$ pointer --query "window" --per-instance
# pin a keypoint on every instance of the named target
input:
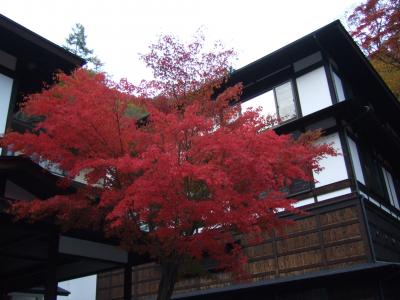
(391, 187)
(266, 101)
(334, 167)
(299, 186)
(277, 102)
(313, 90)
(370, 173)
(355, 158)
(285, 101)
(373, 174)
(5, 95)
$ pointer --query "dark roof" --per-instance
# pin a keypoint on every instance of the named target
(38, 59)
(41, 290)
(10, 28)
(32, 177)
(354, 67)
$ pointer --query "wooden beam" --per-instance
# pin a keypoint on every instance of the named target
(128, 279)
(51, 280)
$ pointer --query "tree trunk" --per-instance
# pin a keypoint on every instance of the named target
(169, 273)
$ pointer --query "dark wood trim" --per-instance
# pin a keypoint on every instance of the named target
(25, 257)
(310, 68)
(365, 231)
(7, 72)
(347, 259)
(275, 253)
(11, 105)
(128, 279)
(348, 160)
(314, 192)
(51, 273)
(321, 240)
(296, 96)
(331, 84)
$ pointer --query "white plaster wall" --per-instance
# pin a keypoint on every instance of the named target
(338, 87)
(334, 167)
(356, 160)
(313, 91)
(83, 288)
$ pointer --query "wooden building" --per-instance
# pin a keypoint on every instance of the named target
(347, 246)
(35, 257)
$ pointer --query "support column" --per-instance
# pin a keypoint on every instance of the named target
(51, 279)
(128, 279)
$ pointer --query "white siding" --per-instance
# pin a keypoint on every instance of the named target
(355, 158)
(390, 188)
(81, 288)
(304, 202)
(5, 95)
(334, 194)
(334, 167)
(313, 91)
(338, 87)
(266, 101)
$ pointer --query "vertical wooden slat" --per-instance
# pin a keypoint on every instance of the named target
(321, 240)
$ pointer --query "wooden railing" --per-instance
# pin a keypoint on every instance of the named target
(330, 236)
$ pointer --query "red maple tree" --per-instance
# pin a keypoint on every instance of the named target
(172, 168)
(375, 24)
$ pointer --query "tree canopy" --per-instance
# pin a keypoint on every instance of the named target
(375, 25)
(173, 168)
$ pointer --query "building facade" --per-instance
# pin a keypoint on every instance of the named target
(35, 257)
(347, 245)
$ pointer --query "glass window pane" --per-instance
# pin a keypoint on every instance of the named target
(266, 101)
(5, 95)
(285, 101)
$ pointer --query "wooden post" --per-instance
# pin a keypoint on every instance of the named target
(128, 279)
(50, 292)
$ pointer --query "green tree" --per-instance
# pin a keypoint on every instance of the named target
(76, 43)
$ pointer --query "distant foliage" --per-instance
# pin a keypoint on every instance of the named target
(76, 43)
(390, 74)
(173, 169)
(375, 25)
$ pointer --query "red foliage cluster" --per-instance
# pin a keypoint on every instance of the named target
(186, 179)
(376, 27)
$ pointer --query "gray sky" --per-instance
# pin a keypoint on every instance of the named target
(118, 30)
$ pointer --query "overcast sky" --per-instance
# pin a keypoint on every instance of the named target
(118, 30)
